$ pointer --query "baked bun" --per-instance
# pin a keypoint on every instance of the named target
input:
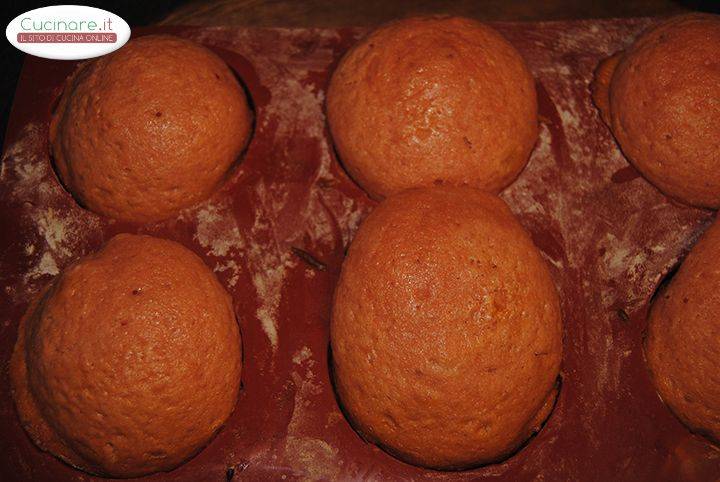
(130, 362)
(682, 347)
(660, 98)
(150, 129)
(446, 332)
(435, 100)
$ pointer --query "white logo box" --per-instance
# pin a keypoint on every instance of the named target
(68, 32)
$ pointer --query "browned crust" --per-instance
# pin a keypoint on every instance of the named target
(142, 350)
(433, 100)
(660, 100)
(150, 129)
(600, 86)
(446, 332)
(682, 347)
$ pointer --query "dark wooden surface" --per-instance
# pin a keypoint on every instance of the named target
(342, 13)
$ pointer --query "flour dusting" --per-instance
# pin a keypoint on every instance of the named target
(54, 229)
(294, 111)
(46, 266)
(316, 456)
(302, 355)
(58, 233)
(217, 230)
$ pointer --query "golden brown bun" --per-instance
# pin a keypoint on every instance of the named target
(131, 360)
(446, 334)
(683, 346)
(664, 109)
(426, 101)
(150, 129)
(600, 86)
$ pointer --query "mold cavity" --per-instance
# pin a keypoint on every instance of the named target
(253, 123)
(664, 283)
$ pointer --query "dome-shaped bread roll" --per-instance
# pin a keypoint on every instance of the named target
(438, 100)
(682, 346)
(446, 332)
(130, 362)
(150, 129)
(660, 99)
